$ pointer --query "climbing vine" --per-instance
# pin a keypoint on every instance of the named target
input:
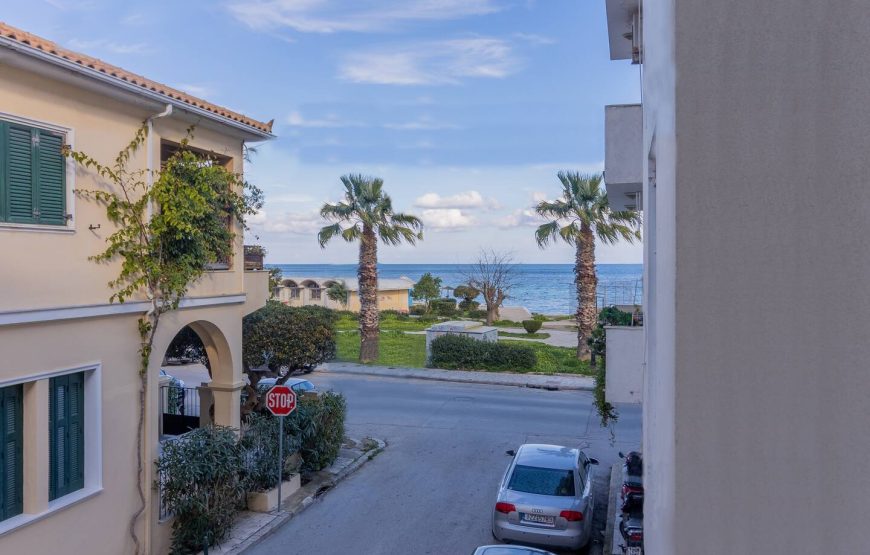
(171, 224)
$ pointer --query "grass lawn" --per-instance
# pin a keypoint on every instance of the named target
(524, 335)
(389, 322)
(402, 349)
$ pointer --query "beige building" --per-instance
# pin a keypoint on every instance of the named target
(393, 294)
(68, 358)
(750, 159)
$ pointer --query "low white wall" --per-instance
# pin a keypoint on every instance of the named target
(624, 383)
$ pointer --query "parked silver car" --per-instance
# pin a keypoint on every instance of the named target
(545, 498)
(298, 385)
(509, 550)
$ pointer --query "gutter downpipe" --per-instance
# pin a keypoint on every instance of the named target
(149, 152)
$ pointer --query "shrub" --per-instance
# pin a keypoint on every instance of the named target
(612, 316)
(469, 305)
(201, 485)
(460, 352)
(477, 314)
(260, 452)
(395, 314)
(443, 307)
(531, 326)
(539, 317)
(417, 309)
(318, 427)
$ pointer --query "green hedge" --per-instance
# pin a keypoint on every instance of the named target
(460, 352)
(443, 307)
(531, 326)
(317, 425)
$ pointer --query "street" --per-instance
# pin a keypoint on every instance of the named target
(432, 490)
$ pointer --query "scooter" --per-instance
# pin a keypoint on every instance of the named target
(631, 507)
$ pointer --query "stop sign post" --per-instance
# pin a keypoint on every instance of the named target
(281, 401)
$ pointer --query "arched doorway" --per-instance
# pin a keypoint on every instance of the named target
(184, 370)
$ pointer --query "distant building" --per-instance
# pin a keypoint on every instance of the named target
(393, 294)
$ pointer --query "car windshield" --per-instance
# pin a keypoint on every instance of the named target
(542, 481)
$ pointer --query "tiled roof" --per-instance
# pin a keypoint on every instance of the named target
(28, 39)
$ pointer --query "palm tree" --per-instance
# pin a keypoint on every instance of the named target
(582, 214)
(366, 215)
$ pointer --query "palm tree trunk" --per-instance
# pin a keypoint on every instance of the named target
(586, 281)
(367, 272)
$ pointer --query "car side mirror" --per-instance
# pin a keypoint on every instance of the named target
(511, 452)
(593, 461)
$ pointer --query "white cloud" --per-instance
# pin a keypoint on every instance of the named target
(538, 40)
(423, 123)
(446, 219)
(296, 119)
(299, 223)
(109, 46)
(432, 63)
(539, 196)
(362, 16)
(463, 200)
(201, 91)
(523, 217)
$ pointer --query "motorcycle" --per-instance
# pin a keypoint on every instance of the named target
(631, 506)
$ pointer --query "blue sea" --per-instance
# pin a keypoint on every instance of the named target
(544, 288)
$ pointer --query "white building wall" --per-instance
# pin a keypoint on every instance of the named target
(756, 411)
(624, 376)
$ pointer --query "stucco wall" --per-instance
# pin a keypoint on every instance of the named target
(624, 382)
(58, 272)
(766, 190)
(387, 300)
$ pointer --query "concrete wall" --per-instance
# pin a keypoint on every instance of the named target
(623, 159)
(756, 411)
(624, 383)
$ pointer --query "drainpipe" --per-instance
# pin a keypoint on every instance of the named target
(149, 178)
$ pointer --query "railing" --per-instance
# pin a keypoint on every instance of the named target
(254, 255)
(179, 409)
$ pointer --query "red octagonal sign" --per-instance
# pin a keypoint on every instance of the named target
(281, 400)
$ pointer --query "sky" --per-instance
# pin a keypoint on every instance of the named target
(466, 108)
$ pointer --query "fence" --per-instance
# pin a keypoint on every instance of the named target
(179, 409)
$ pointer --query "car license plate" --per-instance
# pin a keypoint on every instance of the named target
(635, 550)
(542, 520)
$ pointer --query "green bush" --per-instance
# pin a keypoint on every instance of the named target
(477, 314)
(288, 338)
(260, 452)
(531, 326)
(460, 352)
(394, 314)
(612, 316)
(317, 426)
(443, 307)
(469, 305)
(201, 485)
(417, 309)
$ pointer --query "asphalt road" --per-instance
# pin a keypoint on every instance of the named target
(432, 490)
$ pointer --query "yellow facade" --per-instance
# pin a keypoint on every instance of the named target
(55, 317)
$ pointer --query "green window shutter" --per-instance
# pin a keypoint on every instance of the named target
(66, 435)
(20, 186)
(11, 467)
(50, 179)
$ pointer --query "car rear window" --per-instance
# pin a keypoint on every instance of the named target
(542, 481)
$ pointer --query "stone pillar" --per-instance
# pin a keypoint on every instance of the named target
(227, 403)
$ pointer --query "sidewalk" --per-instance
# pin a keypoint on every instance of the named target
(538, 381)
(250, 527)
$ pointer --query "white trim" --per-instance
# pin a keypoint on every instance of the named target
(14, 317)
(19, 521)
(93, 428)
(68, 138)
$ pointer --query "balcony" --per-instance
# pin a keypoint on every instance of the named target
(254, 255)
(623, 156)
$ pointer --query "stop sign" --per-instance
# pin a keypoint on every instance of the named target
(281, 400)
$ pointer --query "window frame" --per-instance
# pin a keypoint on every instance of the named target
(68, 135)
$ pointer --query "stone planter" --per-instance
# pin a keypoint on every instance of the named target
(267, 501)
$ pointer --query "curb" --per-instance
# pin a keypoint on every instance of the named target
(459, 379)
(283, 517)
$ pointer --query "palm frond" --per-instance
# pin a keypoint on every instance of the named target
(545, 232)
(327, 233)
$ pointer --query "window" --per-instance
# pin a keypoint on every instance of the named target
(32, 175)
(11, 479)
(66, 435)
(542, 481)
(315, 293)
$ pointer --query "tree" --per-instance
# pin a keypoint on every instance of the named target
(278, 340)
(275, 275)
(366, 215)
(493, 275)
(582, 214)
(337, 291)
(428, 288)
(164, 251)
(467, 293)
